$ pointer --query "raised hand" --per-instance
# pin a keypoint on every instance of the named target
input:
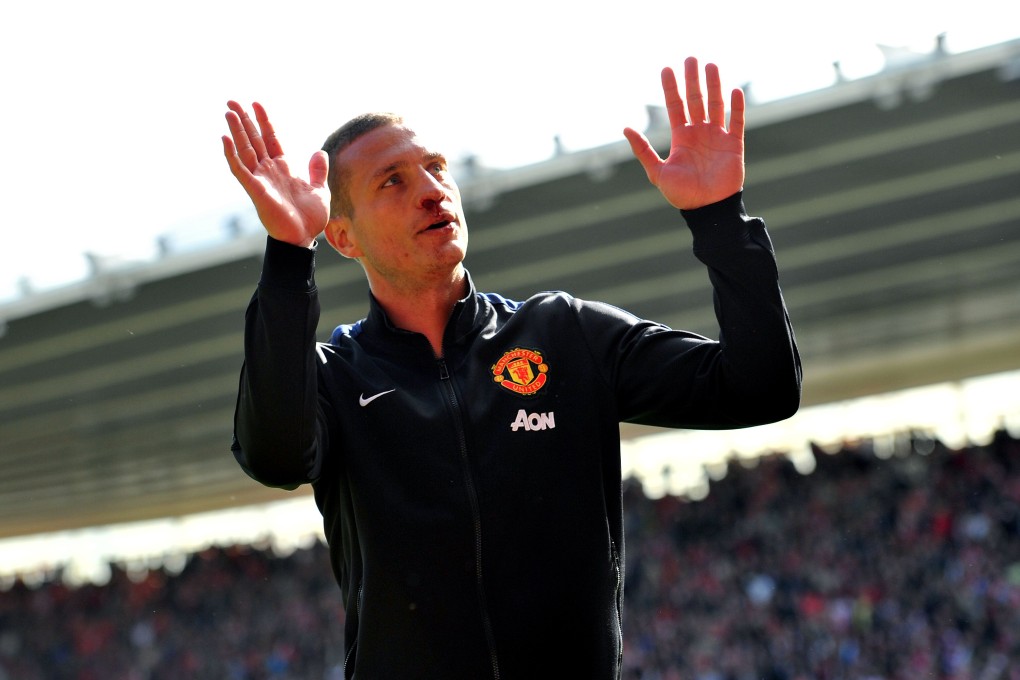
(706, 160)
(290, 208)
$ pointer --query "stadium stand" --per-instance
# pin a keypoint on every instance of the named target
(892, 201)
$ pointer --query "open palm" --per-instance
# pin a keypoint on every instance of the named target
(706, 160)
(290, 208)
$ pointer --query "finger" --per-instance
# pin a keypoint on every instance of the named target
(228, 149)
(241, 144)
(272, 144)
(695, 103)
(716, 106)
(237, 167)
(644, 153)
(737, 113)
(674, 102)
(254, 138)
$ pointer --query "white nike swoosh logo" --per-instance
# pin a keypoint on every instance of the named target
(365, 401)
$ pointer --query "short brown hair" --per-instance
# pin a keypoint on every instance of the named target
(340, 199)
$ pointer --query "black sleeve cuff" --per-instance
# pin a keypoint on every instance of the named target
(288, 266)
(722, 223)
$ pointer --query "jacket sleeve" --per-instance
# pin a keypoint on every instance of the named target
(276, 430)
(750, 375)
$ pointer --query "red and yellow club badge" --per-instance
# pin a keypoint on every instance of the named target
(522, 371)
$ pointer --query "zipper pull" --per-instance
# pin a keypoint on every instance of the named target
(444, 374)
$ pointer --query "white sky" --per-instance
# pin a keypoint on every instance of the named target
(112, 110)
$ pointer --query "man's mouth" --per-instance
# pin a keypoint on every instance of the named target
(443, 219)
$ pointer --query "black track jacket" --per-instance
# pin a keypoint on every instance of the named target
(472, 503)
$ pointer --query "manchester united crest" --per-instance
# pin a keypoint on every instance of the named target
(522, 371)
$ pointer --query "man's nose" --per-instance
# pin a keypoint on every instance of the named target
(432, 192)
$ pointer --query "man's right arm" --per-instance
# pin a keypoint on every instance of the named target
(276, 438)
(275, 421)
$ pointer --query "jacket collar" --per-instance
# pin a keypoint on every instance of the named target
(469, 315)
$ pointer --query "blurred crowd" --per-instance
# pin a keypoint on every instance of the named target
(899, 566)
(893, 564)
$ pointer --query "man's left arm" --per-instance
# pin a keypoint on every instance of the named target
(757, 347)
(752, 374)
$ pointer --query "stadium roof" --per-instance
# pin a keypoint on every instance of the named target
(892, 201)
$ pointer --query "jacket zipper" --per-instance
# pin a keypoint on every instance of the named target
(619, 608)
(350, 652)
(447, 383)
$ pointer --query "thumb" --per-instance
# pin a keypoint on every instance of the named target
(644, 153)
(318, 168)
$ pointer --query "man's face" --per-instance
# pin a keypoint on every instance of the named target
(407, 225)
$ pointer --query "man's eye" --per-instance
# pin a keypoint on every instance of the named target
(391, 180)
(438, 168)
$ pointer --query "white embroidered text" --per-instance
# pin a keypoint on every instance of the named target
(533, 421)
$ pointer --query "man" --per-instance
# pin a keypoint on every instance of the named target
(464, 448)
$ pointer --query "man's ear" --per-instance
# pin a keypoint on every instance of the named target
(338, 233)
